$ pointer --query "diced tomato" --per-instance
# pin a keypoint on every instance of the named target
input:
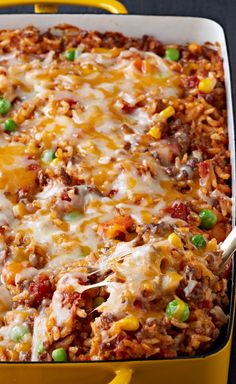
(71, 102)
(138, 63)
(40, 289)
(65, 196)
(114, 227)
(31, 157)
(128, 108)
(33, 167)
(203, 169)
(179, 211)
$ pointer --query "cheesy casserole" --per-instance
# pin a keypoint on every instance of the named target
(114, 196)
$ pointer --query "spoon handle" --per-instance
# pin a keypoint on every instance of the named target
(228, 246)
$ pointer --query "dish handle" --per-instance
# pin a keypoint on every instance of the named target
(123, 376)
(50, 6)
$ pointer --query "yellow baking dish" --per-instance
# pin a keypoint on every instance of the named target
(211, 367)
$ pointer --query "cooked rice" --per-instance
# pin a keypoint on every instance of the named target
(86, 264)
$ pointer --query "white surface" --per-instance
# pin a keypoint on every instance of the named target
(166, 28)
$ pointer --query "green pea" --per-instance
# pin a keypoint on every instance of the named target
(208, 219)
(71, 216)
(59, 355)
(18, 332)
(70, 54)
(178, 309)
(198, 241)
(5, 106)
(10, 125)
(48, 155)
(172, 54)
(40, 347)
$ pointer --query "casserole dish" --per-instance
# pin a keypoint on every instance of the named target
(216, 361)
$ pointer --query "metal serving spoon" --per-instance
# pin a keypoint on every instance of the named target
(228, 247)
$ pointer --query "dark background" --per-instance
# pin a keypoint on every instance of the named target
(222, 11)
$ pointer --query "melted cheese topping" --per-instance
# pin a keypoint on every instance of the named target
(92, 115)
(101, 86)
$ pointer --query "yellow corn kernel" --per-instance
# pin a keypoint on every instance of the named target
(171, 281)
(207, 85)
(194, 48)
(129, 323)
(167, 112)
(55, 161)
(155, 132)
(175, 240)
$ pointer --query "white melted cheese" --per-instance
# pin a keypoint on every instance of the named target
(42, 229)
(39, 335)
(135, 265)
(6, 211)
(127, 185)
(50, 190)
(85, 110)
(60, 313)
(26, 274)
